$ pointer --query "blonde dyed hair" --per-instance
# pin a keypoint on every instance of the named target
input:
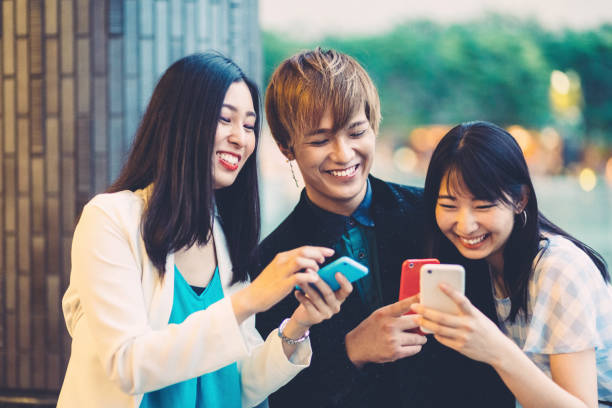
(306, 84)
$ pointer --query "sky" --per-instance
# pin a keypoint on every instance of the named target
(315, 18)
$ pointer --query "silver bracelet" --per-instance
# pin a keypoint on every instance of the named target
(287, 339)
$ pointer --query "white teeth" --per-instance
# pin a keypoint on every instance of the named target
(343, 173)
(474, 241)
(230, 158)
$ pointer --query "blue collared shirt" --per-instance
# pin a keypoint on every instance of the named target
(359, 242)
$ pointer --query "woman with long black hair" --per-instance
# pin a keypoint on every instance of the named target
(159, 307)
(551, 291)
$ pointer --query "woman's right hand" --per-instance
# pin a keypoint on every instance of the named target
(279, 279)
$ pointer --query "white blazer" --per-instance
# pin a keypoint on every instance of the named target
(117, 309)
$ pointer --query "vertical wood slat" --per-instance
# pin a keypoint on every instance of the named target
(99, 37)
(83, 76)
(8, 38)
(9, 116)
(36, 26)
(52, 76)
(21, 17)
(23, 156)
(82, 18)
(51, 17)
(66, 27)
(161, 38)
(36, 117)
(23, 70)
(10, 196)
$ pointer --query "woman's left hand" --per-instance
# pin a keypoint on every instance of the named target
(321, 303)
(315, 306)
(471, 333)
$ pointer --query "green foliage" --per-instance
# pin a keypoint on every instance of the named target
(495, 69)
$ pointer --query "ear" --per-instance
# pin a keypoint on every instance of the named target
(520, 206)
(286, 151)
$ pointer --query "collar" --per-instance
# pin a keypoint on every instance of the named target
(361, 215)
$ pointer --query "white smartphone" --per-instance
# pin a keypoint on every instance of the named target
(430, 294)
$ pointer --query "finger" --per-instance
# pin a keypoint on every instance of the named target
(437, 328)
(408, 351)
(441, 318)
(320, 302)
(403, 306)
(301, 263)
(412, 339)
(408, 322)
(316, 253)
(345, 287)
(303, 279)
(463, 302)
(304, 301)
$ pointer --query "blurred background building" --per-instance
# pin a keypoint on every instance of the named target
(75, 76)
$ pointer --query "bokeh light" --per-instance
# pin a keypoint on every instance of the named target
(405, 159)
(587, 179)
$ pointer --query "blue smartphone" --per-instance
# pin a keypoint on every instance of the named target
(351, 269)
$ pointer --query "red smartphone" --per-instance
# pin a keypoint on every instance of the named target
(410, 281)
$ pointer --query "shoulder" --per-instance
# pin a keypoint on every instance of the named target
(399, 193)
(563, 265)
(121, 208)
(397, 199)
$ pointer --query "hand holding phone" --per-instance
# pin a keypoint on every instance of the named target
(409, 281)
(350, 268)
(431, 296)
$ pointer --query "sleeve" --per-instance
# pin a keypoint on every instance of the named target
(107, 278)
(267, 369)
(563, 306)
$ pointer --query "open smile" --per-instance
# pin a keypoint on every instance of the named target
(229, 160)
(345, 173)
(473, 242)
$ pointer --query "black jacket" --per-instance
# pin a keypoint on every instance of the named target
(436, 377)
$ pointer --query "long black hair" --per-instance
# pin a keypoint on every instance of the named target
(173, 149)
(488, 161)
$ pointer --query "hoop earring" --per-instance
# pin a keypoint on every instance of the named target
(523, 215)
(293, 173)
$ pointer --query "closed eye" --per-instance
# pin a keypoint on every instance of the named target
(317, 142)
(359, 133)
(485, 207)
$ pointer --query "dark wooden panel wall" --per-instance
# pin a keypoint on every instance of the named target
(75, 76)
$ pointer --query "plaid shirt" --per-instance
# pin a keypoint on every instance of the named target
(570, 310)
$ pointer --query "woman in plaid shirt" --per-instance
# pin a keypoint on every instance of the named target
(552, 292)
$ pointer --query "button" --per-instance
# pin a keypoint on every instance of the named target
(351, 222)
(361, 255)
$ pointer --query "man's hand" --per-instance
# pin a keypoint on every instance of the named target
(384, 336)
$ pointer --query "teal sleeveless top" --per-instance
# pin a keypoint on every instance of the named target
(213, 390)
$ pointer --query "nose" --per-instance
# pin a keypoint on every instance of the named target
(237, 135)
(466, 222)
(342, 150)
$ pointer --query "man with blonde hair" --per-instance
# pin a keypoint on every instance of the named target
(324, 112)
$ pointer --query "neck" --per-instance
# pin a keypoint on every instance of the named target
(496, 266)
(342, 207)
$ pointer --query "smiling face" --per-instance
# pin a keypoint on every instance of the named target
(335, 166)
(478, 228)
(235, 136)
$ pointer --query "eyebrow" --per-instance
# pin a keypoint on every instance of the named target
(356, 124)
(234, 109)
(321, 131)
(448, 197)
